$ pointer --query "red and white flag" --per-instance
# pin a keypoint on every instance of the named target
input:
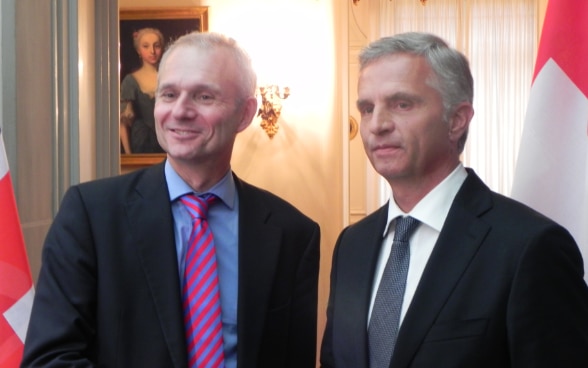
(552, 168)
(16, 284)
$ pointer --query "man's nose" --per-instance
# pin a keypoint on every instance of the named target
(382, 120)
(184, 107)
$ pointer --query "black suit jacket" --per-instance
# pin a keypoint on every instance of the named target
(108, 292)
(503, 288)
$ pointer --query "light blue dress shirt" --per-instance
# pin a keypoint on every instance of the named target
(223, 218)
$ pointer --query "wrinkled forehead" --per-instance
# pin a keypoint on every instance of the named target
(190, 64)
(406, 65)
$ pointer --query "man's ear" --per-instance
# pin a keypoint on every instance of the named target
(459, 121)
(249, 111)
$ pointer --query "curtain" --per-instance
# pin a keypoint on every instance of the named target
(500, 39)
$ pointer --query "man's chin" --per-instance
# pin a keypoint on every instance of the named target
(181, 154)
(388, 170)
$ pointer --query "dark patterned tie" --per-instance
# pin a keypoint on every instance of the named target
(201, 302)
(384, 321)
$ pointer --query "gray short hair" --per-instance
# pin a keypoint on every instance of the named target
(212, 40)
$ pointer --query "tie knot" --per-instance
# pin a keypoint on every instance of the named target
(197, 206)
(405, 226)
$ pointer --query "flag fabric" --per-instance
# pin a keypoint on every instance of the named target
(551, 174)
(16, 284)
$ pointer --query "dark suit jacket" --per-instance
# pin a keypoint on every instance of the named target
(108, 292)
(503, 288)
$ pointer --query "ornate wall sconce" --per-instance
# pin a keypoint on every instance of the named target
(271, 107)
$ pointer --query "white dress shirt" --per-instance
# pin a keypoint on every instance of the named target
(431, 211)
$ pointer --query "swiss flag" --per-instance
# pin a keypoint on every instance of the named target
(552, 168)
(16, 284)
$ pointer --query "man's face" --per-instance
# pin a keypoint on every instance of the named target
(402, 126)
(198, 108)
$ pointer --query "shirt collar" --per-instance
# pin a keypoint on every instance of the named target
(434, 207)
(225, 189)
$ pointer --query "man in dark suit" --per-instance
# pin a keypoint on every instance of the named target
(489, 282)
(110, 288)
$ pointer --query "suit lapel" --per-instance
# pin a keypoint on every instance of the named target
(458, 242)
(151, 226)
(259, 247)
(355, 260)
(371, 251)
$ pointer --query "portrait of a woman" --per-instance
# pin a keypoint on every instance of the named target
(137, 95)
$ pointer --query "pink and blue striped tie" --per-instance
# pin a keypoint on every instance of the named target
(201, 297)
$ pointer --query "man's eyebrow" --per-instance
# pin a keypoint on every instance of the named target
(164, 86)
(362, 102)
(403, 96)
(393, 97)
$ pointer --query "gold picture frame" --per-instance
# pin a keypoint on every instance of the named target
(172, 22)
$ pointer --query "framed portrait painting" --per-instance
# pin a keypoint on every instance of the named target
(170, 23)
